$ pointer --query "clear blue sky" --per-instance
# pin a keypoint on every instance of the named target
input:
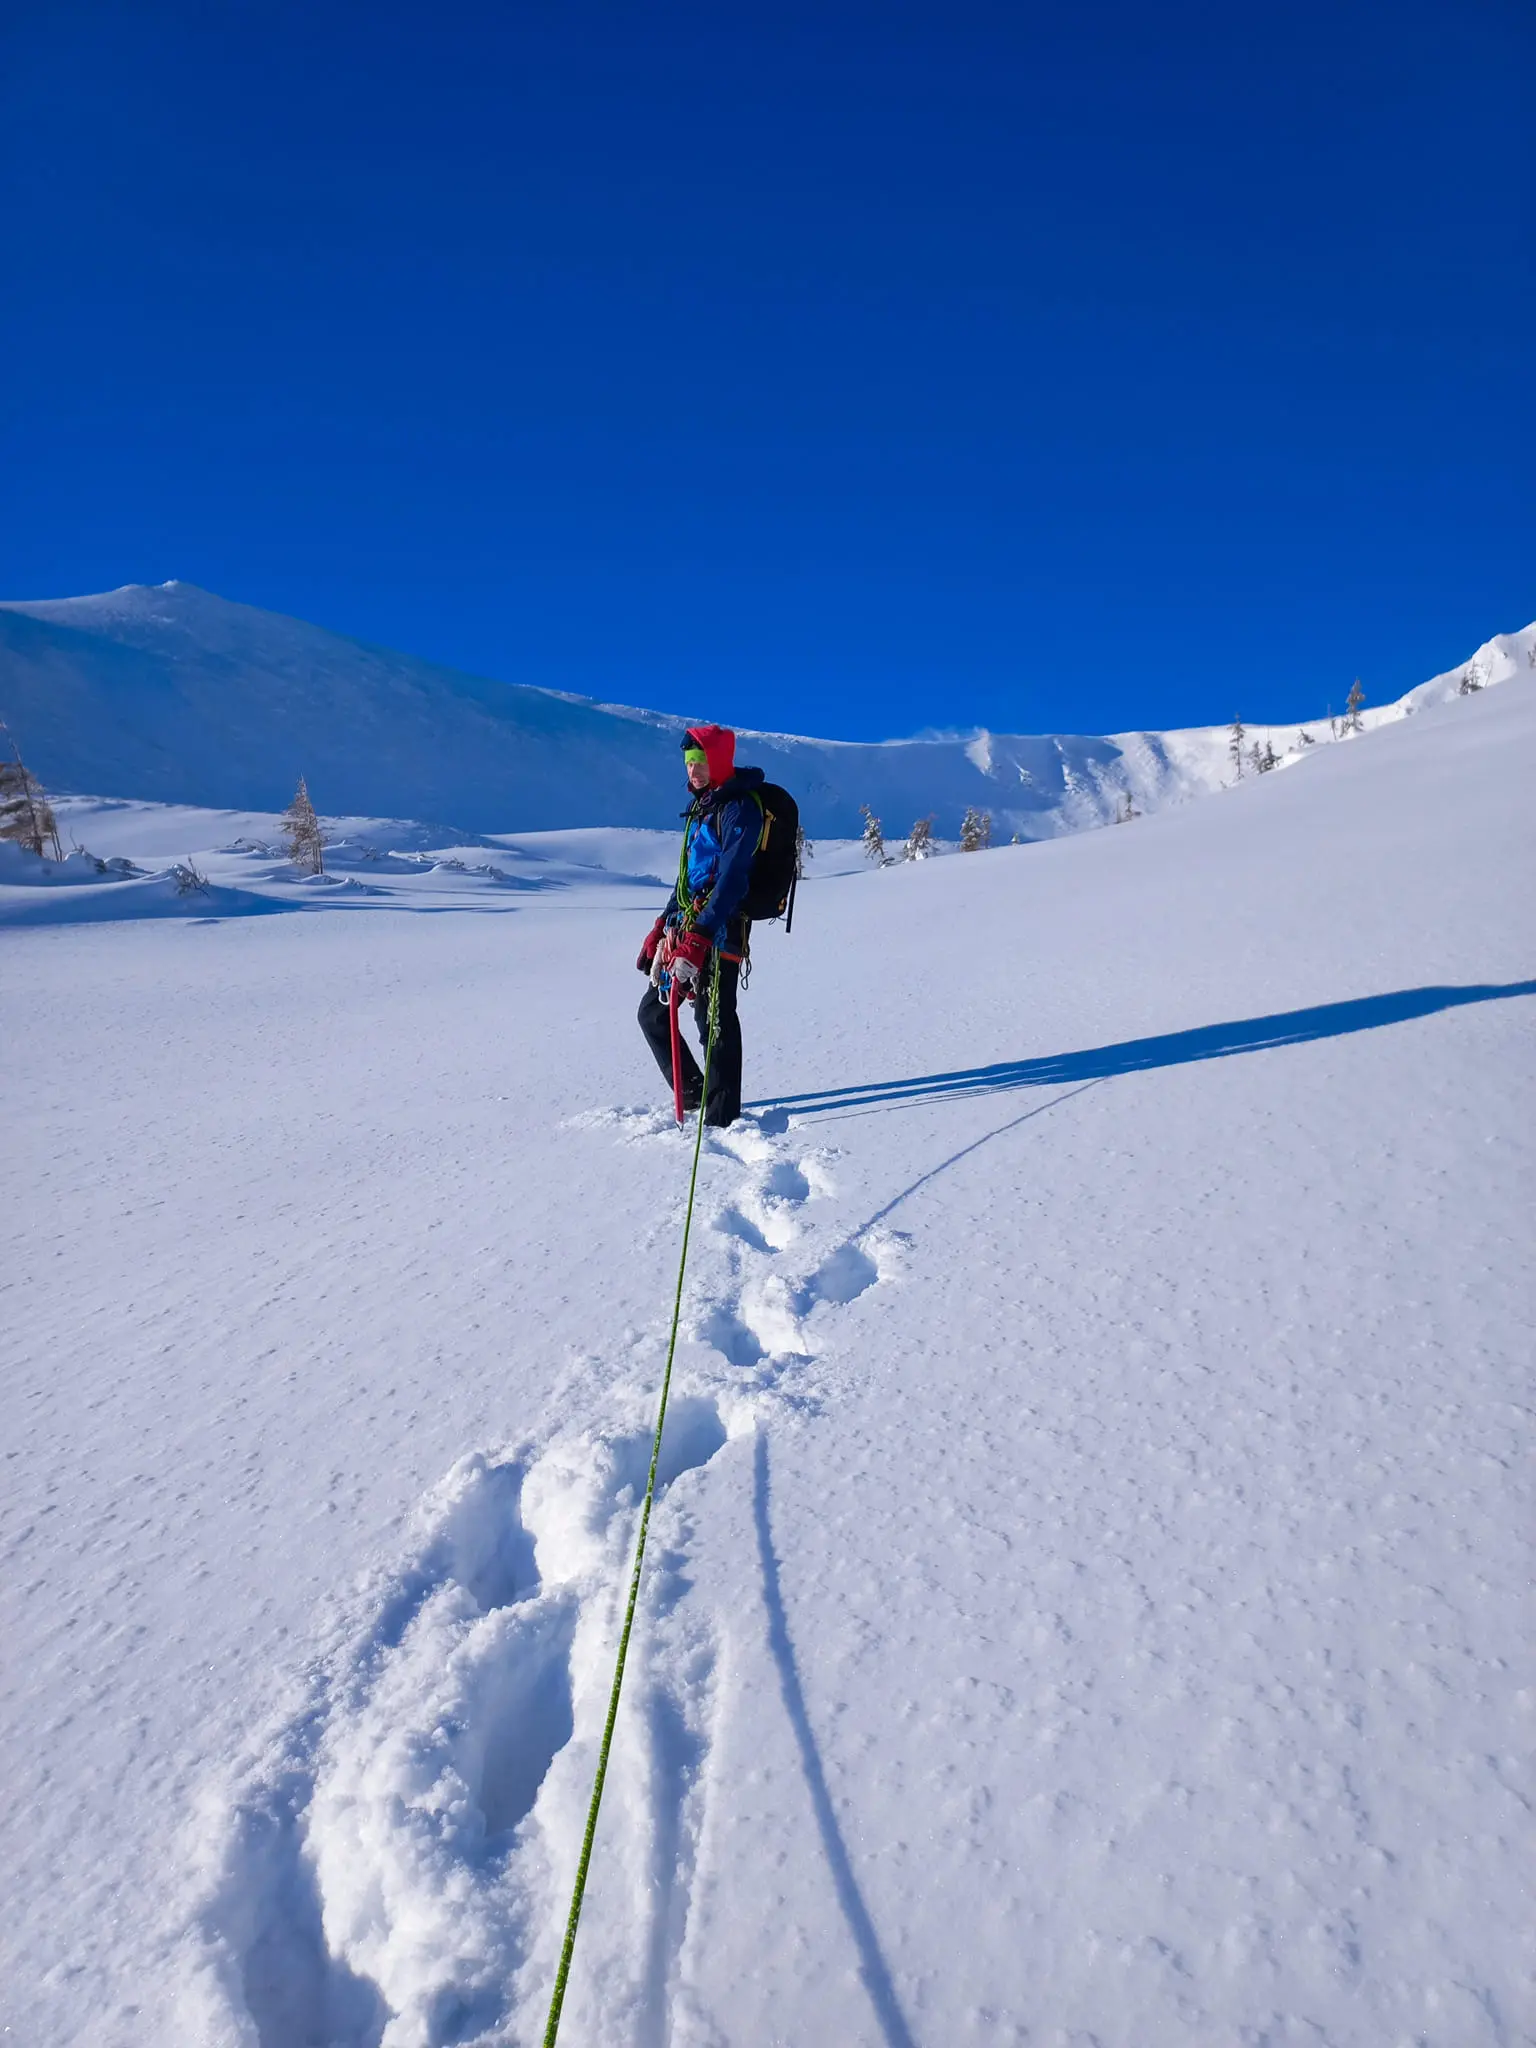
(842, 368)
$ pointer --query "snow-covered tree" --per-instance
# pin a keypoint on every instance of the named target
(26, 816)
(920, 840)
(1303, 738)
(1353, 704)
(1235, 746)
(1269, 758)
(1471, 680)
(302, 835)
(874, 838)
(975, 830)
(1125, 810)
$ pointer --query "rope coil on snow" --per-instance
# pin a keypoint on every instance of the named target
(568, 1947)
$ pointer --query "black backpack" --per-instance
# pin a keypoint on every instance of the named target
(776, 863)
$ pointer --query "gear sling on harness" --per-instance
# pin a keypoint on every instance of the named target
(568, 1946)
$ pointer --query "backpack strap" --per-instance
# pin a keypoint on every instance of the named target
(688, 906)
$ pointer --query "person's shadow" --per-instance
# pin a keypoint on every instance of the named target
(1134, 1055)
(874, 1971)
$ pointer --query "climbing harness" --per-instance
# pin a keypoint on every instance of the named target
(568, 1947)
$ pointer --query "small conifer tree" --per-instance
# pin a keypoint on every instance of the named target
(1471, 680)
(302, 835)
(1269, 758)
(189, 878)
(1125, 810)
(920, 840)
(26, 816)
(975, 830)
(1353, 704)
(1235, 746)
(1303, 738)
(874, 838)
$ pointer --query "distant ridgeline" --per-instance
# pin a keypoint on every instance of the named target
(173, 694)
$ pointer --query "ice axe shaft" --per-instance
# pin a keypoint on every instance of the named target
(674, 1008)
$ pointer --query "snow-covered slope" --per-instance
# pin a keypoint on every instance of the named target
(132, 859)
(173, 694)
(1089, 1597)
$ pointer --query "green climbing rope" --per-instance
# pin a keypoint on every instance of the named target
(568, 1947)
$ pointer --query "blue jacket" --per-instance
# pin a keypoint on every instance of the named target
(719, 840)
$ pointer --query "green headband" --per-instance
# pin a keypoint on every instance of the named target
(692, 754)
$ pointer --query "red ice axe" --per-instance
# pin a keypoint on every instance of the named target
(674, 1005)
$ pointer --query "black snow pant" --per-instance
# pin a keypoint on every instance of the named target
(724, 1104)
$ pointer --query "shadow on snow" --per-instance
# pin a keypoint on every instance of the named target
(873, 1969)
(1135, 1055)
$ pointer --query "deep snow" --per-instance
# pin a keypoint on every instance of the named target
(173, 694)
(1089, 1599)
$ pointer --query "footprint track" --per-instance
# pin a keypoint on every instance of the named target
(845, 1274)
(764, 1215)
(389, 1869)
(757, 1318)
(786, 1182)
(738, 1343)
(732, 1223)
(367, 1887)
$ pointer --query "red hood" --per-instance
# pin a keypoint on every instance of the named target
(719, 744)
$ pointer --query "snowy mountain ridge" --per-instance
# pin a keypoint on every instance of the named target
(170, 693)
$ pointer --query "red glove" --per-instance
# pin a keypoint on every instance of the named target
(688, 958)
(652, 941)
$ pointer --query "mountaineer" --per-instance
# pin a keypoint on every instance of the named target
(738, 862)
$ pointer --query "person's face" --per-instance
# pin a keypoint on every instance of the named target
(698, 775)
